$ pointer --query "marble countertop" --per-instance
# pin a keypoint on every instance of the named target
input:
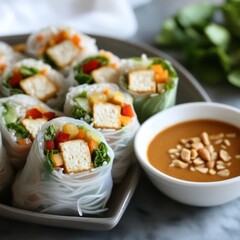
(150, 214)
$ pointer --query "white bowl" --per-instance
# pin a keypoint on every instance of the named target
(188, 192)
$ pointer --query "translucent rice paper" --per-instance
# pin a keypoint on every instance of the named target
(114, 61)
(147, 105)
(87, 44)
(37, 189)
(8, 57)
(18, 153)
(6, 172)
(53, 75)
(121, 141)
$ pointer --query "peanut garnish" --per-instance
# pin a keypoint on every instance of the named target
(224, 155)
(205, 138)
(202, 169)
(185, 155)
(224, 173)
(206, 154)
(179, 163)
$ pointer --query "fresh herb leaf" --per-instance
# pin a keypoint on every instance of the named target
(234, 78)
(206, 37)
(100, 155)
(15, 91)
(195, 15)
(49, 166)
(218, 35)
(19, 129)
(83, 78)
(47, 59)
(80, 113)
(28, 71)
(50, 133)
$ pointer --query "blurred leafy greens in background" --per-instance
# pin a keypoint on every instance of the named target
(208, 35)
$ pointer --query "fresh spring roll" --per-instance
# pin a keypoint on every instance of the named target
(68, 170)
(21, 117)
(109, 110)
(8, 57)
(100, 68)
(60, 46)
(6, 171)
(152, 82)
(37, 79)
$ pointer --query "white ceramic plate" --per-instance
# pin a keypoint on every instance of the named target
(189, 90)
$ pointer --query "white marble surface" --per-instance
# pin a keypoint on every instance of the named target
(150, 214)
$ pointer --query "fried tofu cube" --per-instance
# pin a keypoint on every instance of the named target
(76, 156)
(39, 86)
(105, 74)
(33, 125)
(142, 81)
(63, 53)
(106, 115)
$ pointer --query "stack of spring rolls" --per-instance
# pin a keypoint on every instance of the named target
(69, 112)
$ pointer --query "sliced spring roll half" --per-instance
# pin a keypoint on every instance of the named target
(8, 57)
(60, 46)
(109, 110)
(6, 171)
(152, 82)
(68, 170)
(100, 68)
(36, 79)
(21, 117)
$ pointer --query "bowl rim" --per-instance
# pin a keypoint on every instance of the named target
(145, 164)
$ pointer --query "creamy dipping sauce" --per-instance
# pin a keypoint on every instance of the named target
(221, 155)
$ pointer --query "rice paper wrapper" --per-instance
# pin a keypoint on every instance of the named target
(54, 76)
(87, 44)
(8, 58)
(6, 171)
(17, 153)
(55, 192)
(121, 141)
(147, 105)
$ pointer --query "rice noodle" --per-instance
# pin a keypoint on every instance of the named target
(55, 192)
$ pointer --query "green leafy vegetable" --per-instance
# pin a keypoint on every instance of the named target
(82, 78)
(100, 155)
(146, 107)
(208, 37)
(49, 162)
(9, 114)
(28, 71)
(50, 133)
(47, 59)
(80, 113)
(20, 130)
